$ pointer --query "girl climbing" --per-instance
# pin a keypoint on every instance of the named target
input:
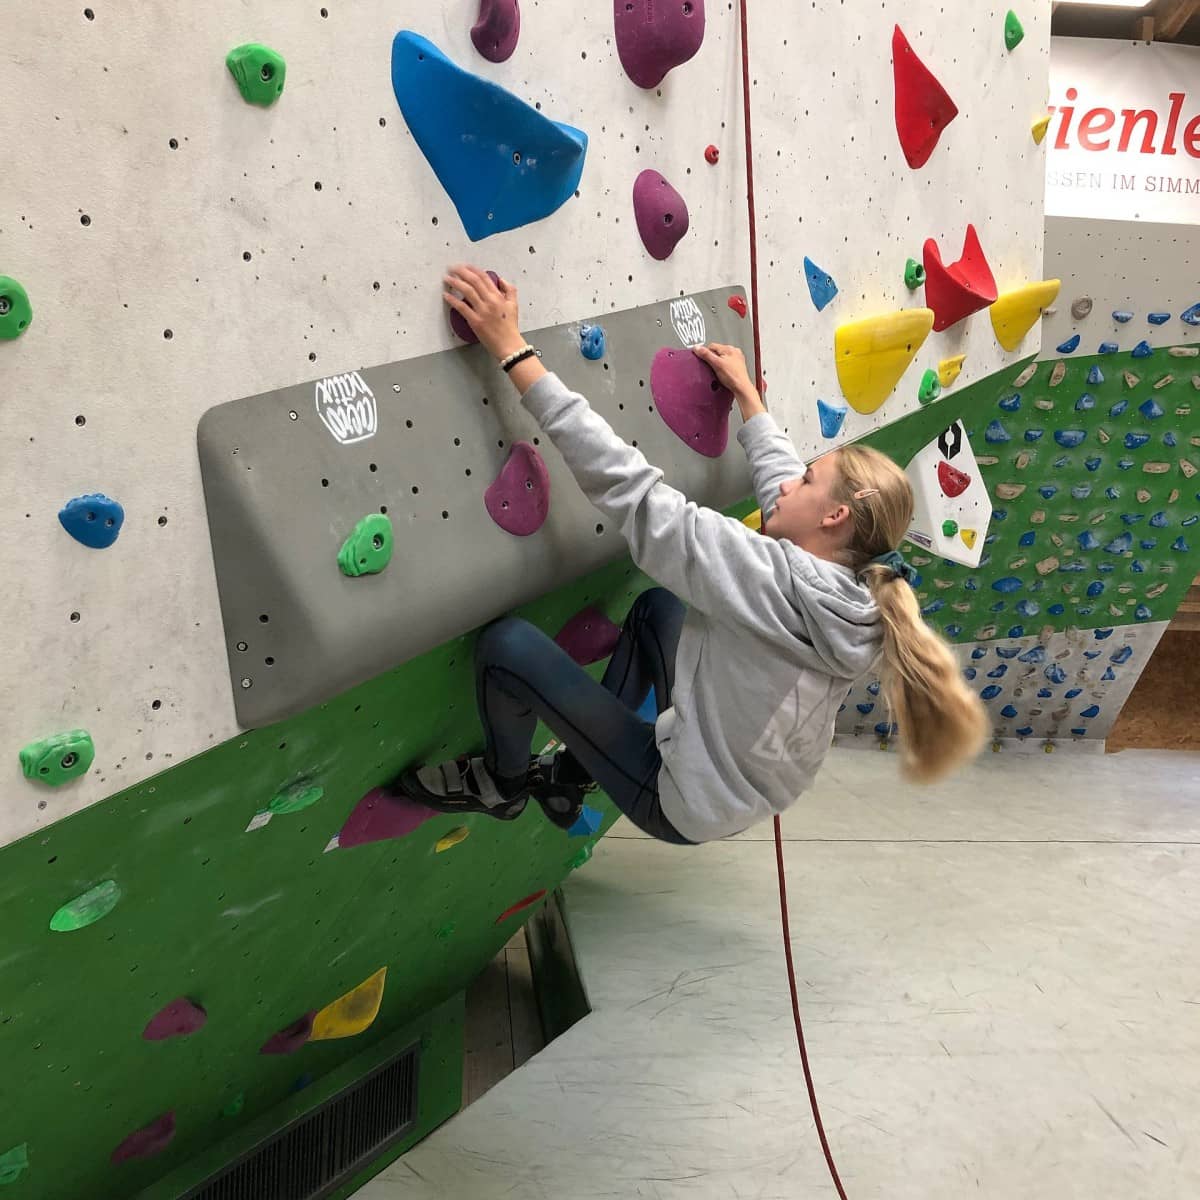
(751, 643)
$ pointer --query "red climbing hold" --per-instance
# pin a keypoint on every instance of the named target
(459, 323)
(588, 636)
(923, 107)
(691, 400)
(379, 816)
(712, 156)
(953, 481)
(738, 305)
(520, 906)
(495, 33)
(291, 1038)
(653, 38)
(660, 212)
(956, 290)
(149, 1140)
(178, 1019)
(519, 500)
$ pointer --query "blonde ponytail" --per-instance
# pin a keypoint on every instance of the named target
(942, 723)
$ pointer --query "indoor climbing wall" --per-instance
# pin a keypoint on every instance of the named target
(246, 209)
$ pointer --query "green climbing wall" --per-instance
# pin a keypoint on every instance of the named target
(256, 926)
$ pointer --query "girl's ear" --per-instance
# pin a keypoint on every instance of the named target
(839, 516)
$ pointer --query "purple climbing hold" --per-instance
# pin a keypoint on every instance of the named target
(588, 636)
(495, 33)
(653, 37)
(519, 500)
(459, 323)
(178, 1019)
(694, 405)
(149, 1140)
(379, 816)
(661, 214)
(289, 1039)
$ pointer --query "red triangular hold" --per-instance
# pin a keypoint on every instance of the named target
(956, 290)
(923, 107)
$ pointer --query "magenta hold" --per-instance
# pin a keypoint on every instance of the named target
(655, 35)
(519, 500)
(289, 1039)
(178, 1019)
(495, 33)
(661, 214)
(459, 323)
(149, 1140)
(693, 403)
(379, 816)
(588, 636)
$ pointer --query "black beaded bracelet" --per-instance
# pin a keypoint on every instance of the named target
(520, 356)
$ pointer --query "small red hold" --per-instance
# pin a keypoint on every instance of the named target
(588, 637)
(289, 1039)
(145, 1142)
(953, 481)
(738, 305)
(178, 1019)
(521, 905)
(712, 156)
(956, 290)
(923, 106)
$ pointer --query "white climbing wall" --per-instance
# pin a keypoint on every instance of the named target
(182, 249)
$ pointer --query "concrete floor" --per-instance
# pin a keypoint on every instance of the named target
(1000, 978)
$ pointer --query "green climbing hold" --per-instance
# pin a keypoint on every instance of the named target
(1014, 31)
(949, 528)
(13, 1162)
(235, 1106)
(369, 548)
(295, 798)
(581, 858)
(445, 933)
(259, 71)
(914, 275)
(931, 387)
(87, 909)
(59, 758)
(15, 310)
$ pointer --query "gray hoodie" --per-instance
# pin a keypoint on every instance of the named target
(773, 637)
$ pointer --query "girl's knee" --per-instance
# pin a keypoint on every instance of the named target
(505, 640)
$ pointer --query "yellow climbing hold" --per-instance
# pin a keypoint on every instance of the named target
(1015, 313)
(452, 839)
(949, 369)
(1040, 126)
(754, 520)
(352, 1013)
(968, 536)
(872, 354)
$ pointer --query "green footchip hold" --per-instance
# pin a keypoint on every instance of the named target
(59, 758)
(1014, 31)
(581, 858)
(85, 910)
(259, 71)
(931, 387)
(15, 310)
(13, 1162)
(369, 548)
(295, 798)
(949, 528)
(914, 275)
(235, 1106)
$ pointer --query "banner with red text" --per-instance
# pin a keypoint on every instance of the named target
(1124, 139)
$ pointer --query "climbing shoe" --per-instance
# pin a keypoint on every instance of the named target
(461, 785)
(558, 788)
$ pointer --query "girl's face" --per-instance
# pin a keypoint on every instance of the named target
(806, 509)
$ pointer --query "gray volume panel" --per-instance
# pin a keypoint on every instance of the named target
(289, 473)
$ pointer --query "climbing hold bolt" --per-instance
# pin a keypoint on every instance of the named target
(259, 72)
(15, 310)
(367, 550)
(59, 758)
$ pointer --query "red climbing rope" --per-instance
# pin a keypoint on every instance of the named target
(783, 904)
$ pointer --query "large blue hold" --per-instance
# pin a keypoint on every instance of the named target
(1010, 403)
(1191, 316)
(1135, 441)
(94, 520)
(832, 417)
(1122, 656)
(1085, 403)
(1158, 318)
(1109, 347)
(1141, 350)
(1122, 317)
(1068, 439)
(1070, 345)
(1150, 409)
(991, 692)
(995, 434)
(1009, 584)
(821, 287)
(1095, 375)
(1120, 544)
(501, 162)
(1055, 673)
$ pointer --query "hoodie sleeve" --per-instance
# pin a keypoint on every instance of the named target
(773, 458)
(710, 561)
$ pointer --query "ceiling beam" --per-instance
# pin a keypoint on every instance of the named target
(1172, 15)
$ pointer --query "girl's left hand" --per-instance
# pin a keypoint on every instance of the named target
(489, 305)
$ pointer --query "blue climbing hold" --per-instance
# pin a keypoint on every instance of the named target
(1072, 568)
(94, 520)
(1062, 462)
(1034, 655)
(1109, 348)
(1028, 608)
(1124, 464)
(1141, 350)
(979, 652)
(1081, 491)
(1085, 403)
(1159, 521)
(1169, 440)
(1108, 676)
(1056, 610)
(1025, 731)
(935, 606)
(1079, 732)
(1070, 345)
(998, 672)
(1095, 375)
(1180, 546)
(1048, 491)
(1072, 693)
(1122, 317)
(1085, 611)
(1027, 539)
(1093, 464)
(1009, 584)
(501, 162)
(1148, 543)
(952, 631)
(1122, 656)
(1088, 540)
(588, 822)
(1017, 631)
(998, 514)
(1135, 441)
(874, 687)
(1138, 567)
(1102, 635)
(1150, 409)
(592, 343)
(1121, 544)
(995, 434)
(1034, 435)
(1011, 403)
(1008, 711)
(821, 287)
(1142, 613)
(991, 692)
(971, 584)
(832, 416)
(1068, 439)
(1188, 522)
(1055, 673)
(865, 709)
(1095, 589)
(1007, 651)
(1091, 711)
(1112, 493)
(999, 606)
(1045, 694)
(1191, 316)
(969, 674)
(1119, 408)
(1090, 654)
(1158, 318)
(1105, 568)
(883, 729)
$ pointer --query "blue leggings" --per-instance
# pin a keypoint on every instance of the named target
(521, 676)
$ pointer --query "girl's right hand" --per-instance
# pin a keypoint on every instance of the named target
(728, 364)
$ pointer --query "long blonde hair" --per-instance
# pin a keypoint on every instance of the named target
(942, 723)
